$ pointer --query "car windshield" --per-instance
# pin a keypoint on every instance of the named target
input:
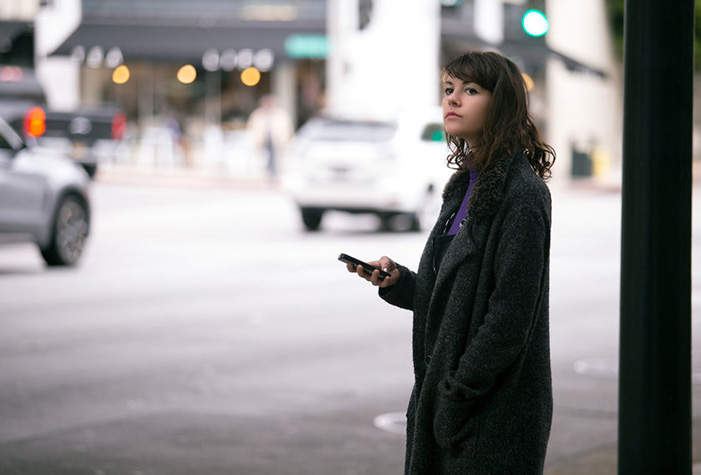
(4, 144)
(9, 140)
(348, 131)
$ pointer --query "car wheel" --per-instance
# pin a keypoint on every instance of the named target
(70, 232)
(424, 218)
(312, 218)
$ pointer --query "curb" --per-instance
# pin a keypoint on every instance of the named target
(178, 178)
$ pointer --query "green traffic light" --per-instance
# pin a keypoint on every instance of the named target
(535, 23)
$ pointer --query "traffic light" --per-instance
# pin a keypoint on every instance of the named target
(535, 23)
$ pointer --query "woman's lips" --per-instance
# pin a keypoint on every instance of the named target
(452, 115)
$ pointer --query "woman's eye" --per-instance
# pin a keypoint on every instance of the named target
(448, 91)
(471, 91)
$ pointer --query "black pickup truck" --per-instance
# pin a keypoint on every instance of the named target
(80, 133)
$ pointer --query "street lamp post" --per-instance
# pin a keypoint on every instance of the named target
(654, 430)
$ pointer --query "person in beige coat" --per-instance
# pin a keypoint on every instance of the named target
(270, 128)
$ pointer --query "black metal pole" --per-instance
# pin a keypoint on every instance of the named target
(654, 431)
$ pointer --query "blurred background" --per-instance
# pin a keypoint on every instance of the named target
(177, 179)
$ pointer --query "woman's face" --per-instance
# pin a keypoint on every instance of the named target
(465, 106)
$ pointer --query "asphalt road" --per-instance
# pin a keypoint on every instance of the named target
(207, 333)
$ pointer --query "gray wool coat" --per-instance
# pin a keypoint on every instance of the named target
(482, 398)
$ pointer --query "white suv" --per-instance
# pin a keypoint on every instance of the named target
(395, 169)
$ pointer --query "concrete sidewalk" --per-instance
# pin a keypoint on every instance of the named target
(590, 410)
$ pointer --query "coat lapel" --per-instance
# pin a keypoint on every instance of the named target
(486, 198)
(450, 205)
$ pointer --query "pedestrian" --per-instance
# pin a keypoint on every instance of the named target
(270, 128)
(482, 397)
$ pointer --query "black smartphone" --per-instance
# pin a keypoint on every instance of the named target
(366, 267)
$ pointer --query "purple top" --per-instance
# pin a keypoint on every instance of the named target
(462, 211)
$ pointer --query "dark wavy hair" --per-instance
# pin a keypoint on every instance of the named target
(508, 126)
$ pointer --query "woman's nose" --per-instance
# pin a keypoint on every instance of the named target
(453, 98)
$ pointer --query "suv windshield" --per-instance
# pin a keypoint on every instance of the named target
(348, 131)
(9, 140)
(4, 144)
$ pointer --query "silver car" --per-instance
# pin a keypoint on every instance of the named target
(43, 199)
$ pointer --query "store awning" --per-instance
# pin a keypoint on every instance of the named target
(542, 51)
(184, 42)
(575, 66)
(533, 50)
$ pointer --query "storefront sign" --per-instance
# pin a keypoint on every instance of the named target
(307, 46)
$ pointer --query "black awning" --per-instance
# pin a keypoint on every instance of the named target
(575, 66)
(185, 42)
(536, 50)
(531, 50)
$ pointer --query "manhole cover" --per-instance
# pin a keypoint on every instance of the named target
(597, 368)
(394, 422)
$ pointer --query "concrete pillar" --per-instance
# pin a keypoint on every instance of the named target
(584, 110)
(489, 21)
(284, 86)
(60, 77)
(390, 65)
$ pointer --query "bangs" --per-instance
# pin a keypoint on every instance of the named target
(472, 67)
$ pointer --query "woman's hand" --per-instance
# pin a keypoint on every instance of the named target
(386, 264)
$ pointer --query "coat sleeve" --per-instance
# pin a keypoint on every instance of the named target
(519, 270)
(401, 294)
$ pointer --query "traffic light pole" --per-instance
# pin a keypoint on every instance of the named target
(654, 433)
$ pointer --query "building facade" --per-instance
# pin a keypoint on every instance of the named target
(178, 59)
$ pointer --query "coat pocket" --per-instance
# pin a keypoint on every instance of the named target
(455, 425)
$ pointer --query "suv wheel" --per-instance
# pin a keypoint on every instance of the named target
(70, 231)
(312, 218)
(424, 217)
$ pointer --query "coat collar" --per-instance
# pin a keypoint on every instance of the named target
(487, 196)
(488, 192)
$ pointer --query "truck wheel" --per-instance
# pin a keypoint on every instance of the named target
(386, 222)
(312, 218)
(70, 231)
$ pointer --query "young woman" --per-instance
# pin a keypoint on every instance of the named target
(482, 398)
